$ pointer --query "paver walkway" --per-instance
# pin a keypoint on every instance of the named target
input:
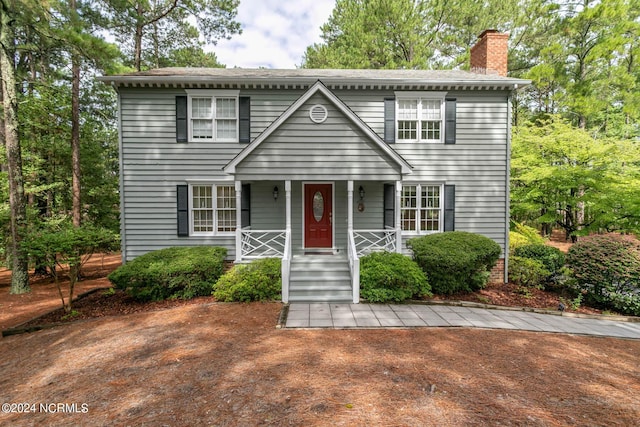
(330, 315)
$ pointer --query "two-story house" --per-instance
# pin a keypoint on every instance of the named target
(317, 167)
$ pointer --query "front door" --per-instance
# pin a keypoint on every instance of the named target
(318, 228)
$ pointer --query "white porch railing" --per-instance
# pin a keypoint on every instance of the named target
(354, 266)
(256, 244)
(286, 266)
(367, 241)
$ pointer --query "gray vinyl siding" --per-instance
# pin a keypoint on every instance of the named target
(336, 151)
(476, 164)
(153, 164)
(303, 150)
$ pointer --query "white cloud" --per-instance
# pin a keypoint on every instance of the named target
(275, 33)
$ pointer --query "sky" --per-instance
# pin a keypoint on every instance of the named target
(275, 33)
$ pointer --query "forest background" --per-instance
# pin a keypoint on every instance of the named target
(575, 135)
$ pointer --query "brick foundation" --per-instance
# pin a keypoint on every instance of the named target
(497, 272)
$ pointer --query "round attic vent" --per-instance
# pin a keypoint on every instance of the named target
(318, 113)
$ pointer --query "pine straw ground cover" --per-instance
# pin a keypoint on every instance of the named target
(207, 363)
(227, 365)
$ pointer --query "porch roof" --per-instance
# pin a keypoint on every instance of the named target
(319, 88)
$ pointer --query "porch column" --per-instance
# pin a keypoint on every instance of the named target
(287, 190)
(397, 213)
(350, 206)
(238, 221)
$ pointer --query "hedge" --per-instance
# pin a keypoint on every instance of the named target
(176, 272)
(455, 261)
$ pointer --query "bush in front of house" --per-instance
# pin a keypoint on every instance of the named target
(260, 280)
(552, 259)
(455, 261)
(527, 272)
(176, 272)
(606, 269)
(521, 235)
(391, 277)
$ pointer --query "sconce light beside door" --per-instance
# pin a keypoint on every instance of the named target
(275, 193)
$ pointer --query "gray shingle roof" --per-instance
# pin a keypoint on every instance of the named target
(309, 76)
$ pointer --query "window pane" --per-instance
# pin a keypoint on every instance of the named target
(225, 108)
(408, 219)
(431, 130)
(408, 109)
(226, 197)
(430, 196)
(225, 129)
(200, 108)
(226, 221)
(203, 220)
(431, 109)
(407, 130)
(408, 204)
(202, 197)
(202, 129)
(430, 220)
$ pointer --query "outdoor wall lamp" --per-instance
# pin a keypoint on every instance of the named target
(361, 203)
(275, 193)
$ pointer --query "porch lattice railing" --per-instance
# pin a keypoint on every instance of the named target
(262, 243)
(367, 241)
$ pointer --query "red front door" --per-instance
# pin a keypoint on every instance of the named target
(318, 228)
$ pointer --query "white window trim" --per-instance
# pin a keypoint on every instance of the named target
(419, 185)
(211, 93)
(214, 204)
(419, 96)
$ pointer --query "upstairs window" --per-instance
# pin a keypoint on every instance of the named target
(213, 115)
(419, 116)
(421, 208)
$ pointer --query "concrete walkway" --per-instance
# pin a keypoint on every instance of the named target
(332, 315)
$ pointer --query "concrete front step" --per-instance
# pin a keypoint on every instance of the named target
(320, 278)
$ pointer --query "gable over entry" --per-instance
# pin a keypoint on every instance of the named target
(318, 137)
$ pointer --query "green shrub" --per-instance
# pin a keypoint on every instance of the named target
(607, 271)
(261, 280)
(521, 235)
(455, 261)
(551, 258)
(516, 240)
(386, 277)
(177, 272)
(527, 272)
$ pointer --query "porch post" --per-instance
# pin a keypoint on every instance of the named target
(350, 206)
(397, 219)
(238, 221)
(287, 190)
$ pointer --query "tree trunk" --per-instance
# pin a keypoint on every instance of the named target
(137, 52)
(75, 133)
(19, 264)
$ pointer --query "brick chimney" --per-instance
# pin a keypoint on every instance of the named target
(489, 55)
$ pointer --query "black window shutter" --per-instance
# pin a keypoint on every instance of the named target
(390, 120)
(244, 119)
(246, 205)
(389, 205)
(449, 207)
(181, 119)
(183, 209)
(450, 121)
